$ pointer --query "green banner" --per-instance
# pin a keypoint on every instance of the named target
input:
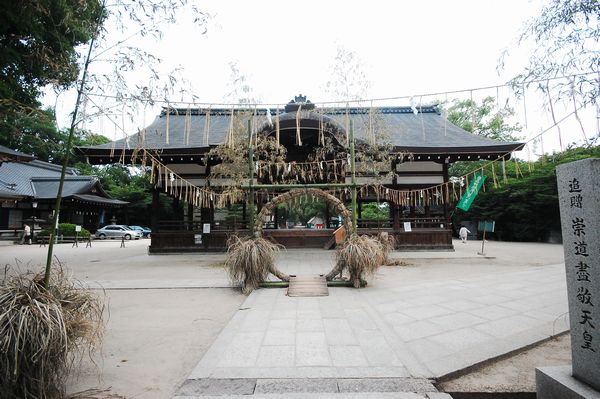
(469, 195)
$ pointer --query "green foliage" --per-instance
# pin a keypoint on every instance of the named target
(525, 208)
(375, 211)
(65, 229)
(487, 119)
(301, 211)
(38, 41)
(38, 135)
(132, 185)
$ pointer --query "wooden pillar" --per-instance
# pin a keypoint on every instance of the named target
(327, 216)
(176, 207)
(445, 190)
(155, 214)
(395, 216)
(359, 209)
(207, 214)
(190, 215)
(244, 220)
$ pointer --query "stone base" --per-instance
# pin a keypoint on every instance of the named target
(558, 383)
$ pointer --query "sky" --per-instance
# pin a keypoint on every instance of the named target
(405, 48)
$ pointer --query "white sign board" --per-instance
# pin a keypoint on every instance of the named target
(206, 228)
(197, 238)
(77, 228)
(407, 226)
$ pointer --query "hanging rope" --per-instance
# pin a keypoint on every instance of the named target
(207, 125)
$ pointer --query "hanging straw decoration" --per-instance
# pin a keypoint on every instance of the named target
(206, 125)
(229, 141)
(143, 135)
(298, 137)
(445, 112)
(151, 170)
(187, 125)
(421, 117)
(277, 129)
(254, 126)
(370, 130)
(321, 140)
(167, 124)
(347, 120)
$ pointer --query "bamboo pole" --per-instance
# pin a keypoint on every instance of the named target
(251, 209)
(68, 148)
(353, 168)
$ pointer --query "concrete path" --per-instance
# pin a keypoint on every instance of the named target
(443, 312)
(409, 323)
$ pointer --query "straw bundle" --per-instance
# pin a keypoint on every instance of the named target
(43, 332)
(388, 244)
(360, 256)
(250, 260)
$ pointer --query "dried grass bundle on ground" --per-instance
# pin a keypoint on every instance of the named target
(360, 256)
(43, 332)
(388, 244)
(250, 260)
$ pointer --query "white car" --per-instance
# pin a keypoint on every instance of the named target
(118, 231)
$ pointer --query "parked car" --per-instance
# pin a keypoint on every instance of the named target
(144, 230)
(118, 231)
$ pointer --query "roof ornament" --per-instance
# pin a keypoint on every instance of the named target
(297, 102)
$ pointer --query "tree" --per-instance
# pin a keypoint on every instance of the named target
(38, 135)
(564, 39)
(375, 211)
(486, 119)
(38, 41)
(524, 208)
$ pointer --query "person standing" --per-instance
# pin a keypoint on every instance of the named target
(462, 233)
(27, 233)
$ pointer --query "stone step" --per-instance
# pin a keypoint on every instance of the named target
(362, 395)
(402, 388)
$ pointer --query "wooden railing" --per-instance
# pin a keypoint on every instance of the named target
(426, 223)
(235, 225)
(375, 223)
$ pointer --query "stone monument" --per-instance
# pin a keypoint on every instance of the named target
(579, 199)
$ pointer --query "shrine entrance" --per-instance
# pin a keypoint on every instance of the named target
(308, 285)
(337, 204)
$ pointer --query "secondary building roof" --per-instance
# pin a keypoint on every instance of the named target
(39, 180)
(6, 154)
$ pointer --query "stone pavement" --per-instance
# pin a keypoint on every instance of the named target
(407, 327)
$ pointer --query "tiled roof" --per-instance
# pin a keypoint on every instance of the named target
(40, 180)
(47, 187)
(426, 130)
(15, 177)
(6, 154)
